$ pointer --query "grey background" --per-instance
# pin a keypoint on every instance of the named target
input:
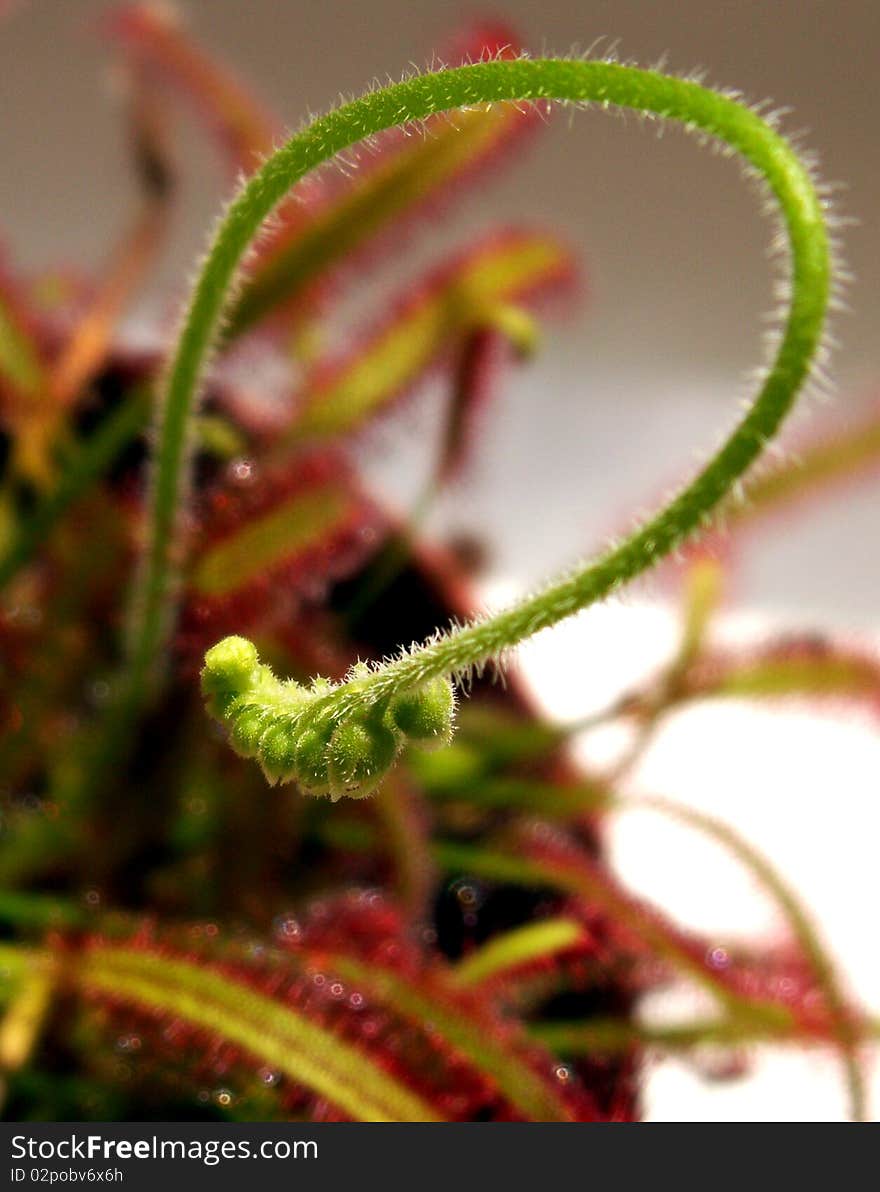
(635, 385)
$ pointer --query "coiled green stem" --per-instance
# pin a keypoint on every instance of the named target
(605, 83)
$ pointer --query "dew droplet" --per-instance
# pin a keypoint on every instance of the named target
(718, 958)
(286, 927)
(242, 471)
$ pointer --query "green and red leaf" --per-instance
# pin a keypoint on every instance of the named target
(287, 532)
(377, 1032)
(157, 43)
(511, 269)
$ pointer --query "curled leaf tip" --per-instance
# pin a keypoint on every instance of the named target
(317, 736)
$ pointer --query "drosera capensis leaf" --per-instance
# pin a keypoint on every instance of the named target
(520, 946)
(22, 370)
(399, 182)
(89, 341)
(837, 456)
(24, 1017)
(533, 1096)
(510, 269)
(326, 223)
(609, 1036)
(303, 520)
(279, 537)
(796, 918)
(273, 1033)
(582, 878)
(736, 992)
(86, 464)
(156, 42)
(24, 378)
(792, 668)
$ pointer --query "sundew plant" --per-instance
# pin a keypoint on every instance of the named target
(276, 842)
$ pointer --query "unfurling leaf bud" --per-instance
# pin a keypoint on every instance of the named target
(361, 752)
(312, 770)
(277, 752)
(425, 716)
(248, 724)
(230, 669)
(297, 736)
(229, 666)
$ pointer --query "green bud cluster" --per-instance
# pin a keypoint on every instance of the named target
(296, 735)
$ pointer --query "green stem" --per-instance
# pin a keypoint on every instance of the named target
(610, 85)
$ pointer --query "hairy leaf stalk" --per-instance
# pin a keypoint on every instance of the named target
(606, 83)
